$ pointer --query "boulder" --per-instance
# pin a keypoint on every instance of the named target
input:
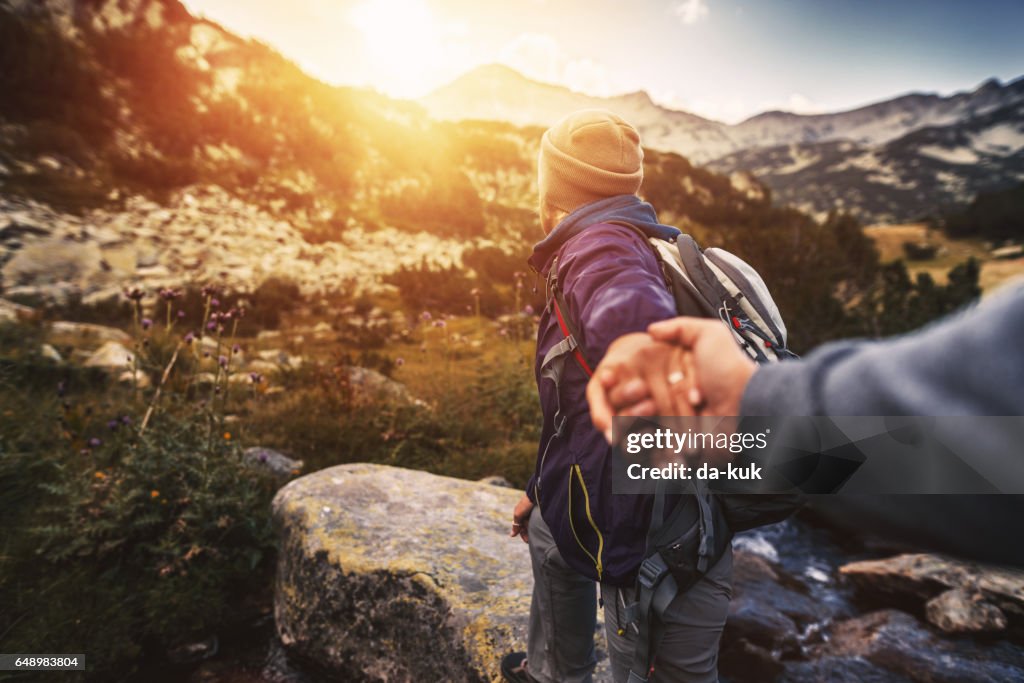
(922, 577)
(12, 312)
(369, 384)
(138, 379)
(55, 260)
(86, 334)
(111, 355)
(274, 462)
(50, 353)
(387, 574)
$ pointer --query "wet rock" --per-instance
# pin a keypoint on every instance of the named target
(388, 574)
(111, 355)
(898, 643)
(274, 462)
(839, 669)
(964, 611)
(921, 577)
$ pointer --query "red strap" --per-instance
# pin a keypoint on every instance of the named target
(575, 352)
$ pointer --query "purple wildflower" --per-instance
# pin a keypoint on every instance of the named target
(236, 348)
(255, 377)
(214, 303)
(181, 314)
(211, 326)
(263, 457)
(126, 419)
(112, 425)
(439, 323)
(399, 362)
(146, 323)
(222, 361)
(528, 309)
(95, 442)
(134, 293)
(425, 316)
(189, 338)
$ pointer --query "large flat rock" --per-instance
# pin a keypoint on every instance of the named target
(398, 575)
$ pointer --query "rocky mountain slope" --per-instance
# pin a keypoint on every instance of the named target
(889, 161)
(922, 173)
(165, 147)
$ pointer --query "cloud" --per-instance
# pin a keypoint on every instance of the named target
(540, 57)
(691, 11)
(586, 75)
(535, 55)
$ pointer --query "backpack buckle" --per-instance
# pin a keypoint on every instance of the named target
(652, 569)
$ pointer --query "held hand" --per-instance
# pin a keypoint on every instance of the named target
(521, 519)
(722, 368)
(639, 376)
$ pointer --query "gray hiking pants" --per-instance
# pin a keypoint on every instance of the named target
(563, 618)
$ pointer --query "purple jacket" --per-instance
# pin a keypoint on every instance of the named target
(612, 286)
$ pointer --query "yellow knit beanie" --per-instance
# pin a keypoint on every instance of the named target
(588, 155)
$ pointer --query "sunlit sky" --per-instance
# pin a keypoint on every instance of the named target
(724, 59)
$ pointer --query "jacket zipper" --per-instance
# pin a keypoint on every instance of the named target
(586, 503)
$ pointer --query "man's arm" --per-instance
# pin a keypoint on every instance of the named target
(969, 364)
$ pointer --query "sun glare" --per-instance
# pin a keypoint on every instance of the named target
(401, 37)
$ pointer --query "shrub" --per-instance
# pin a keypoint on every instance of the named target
(142, 539)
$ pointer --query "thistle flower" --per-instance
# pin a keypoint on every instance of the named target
(439, 323)
(189, 338)
(399, 362)
(181, 314)
(222, 361)
(425, 316)
(169, 293)
(255, 377)
(146, 323)
(236, 348)
(263, 457)
(94, 442)
(126, 419)
(208, 290)
(112, 425)
(134, 293)
(214, 303)
(211, 326)
(528, 309)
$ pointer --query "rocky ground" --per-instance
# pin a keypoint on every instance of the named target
(201, 235)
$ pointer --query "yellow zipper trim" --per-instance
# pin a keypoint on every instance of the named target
(586, 502)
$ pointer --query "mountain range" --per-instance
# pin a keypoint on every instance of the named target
(138, 142)
(894, 160)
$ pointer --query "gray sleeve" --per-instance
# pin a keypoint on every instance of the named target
(971, 363)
